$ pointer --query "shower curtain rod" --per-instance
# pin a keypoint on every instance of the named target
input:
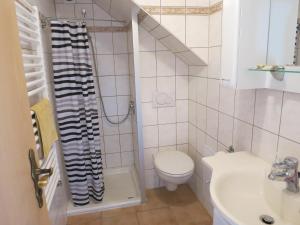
(45, 21)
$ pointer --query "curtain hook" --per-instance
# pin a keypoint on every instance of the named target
(83, 12)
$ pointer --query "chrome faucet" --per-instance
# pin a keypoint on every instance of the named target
(287, 171)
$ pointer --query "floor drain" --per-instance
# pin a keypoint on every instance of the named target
(267, 219)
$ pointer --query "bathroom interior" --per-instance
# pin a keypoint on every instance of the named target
(150, 112)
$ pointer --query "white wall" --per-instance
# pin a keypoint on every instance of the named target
(264, 122)
(166, 127)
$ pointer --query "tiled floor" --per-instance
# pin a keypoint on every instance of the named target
(162, 208)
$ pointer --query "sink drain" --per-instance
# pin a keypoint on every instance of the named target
(267, 219)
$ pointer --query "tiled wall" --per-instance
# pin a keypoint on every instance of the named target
(112, 61)
(264, 122)
(165, 127)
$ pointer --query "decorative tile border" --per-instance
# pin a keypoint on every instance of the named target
(166, 10)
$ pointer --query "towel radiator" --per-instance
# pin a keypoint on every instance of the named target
(36, 82)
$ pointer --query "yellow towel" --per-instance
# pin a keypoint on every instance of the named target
(45, 119)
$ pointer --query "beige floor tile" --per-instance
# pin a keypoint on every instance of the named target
(154, 201)
(161, 216)
(85, 219)
(125, 219)
(180, 207)
(119, 212)
(191, 214)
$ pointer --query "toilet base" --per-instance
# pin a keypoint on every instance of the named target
(171, 186)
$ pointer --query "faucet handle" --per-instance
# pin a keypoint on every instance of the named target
(291, 162)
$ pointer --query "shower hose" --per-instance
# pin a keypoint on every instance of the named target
(131, 103)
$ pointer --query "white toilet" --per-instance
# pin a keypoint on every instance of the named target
(173, 167)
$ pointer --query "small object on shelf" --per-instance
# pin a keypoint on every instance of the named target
(269, 67)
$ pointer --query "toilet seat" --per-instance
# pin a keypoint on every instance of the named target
(174, 163)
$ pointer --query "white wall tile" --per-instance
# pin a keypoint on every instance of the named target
(149, 114)
(214, 63)
(264, 144)
(107, 85)
(122, 85)
(244, 105)
(150, 136)
(182, 107)
(65, 11)
(113, 160)
(112, 144)
(175, 24)
(167, 85)
(182, 89)
(110, 129)
(125, 127)
(225, 129)
(148, 157)
(165, 63)
(268, 109)
(213, 93)
(182, 133)
(192, 109)
(110, 104)
(121, 64)
(201, 117)
(227, 100)
(148, 86)
(167, 134)
(197, 31)
(202, 91)
(242, 136)
(106, 64)
(126, 143)
(199, 3)
(215, 29)
(147, 42)
(151, 179)
(212, 122)
(172, 2)
(120, 42)
(99, 13)
(167, 115)
(201, 140)
(181, 67)
(288, 148)
(104, 43)
(123, 104)
(290, 122)
(127, 159)
(147, 64)
(192, 137)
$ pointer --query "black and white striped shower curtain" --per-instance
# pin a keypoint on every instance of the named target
(76, 109)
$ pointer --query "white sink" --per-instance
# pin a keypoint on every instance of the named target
(241, 191)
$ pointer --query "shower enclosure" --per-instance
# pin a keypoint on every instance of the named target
(113, 52)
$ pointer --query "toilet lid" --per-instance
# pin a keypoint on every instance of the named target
(173, 162)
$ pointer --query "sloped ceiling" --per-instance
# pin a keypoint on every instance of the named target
(119, 9)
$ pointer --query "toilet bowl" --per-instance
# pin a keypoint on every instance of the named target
(173, 167)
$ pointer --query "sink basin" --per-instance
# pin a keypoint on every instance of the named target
(241, 191)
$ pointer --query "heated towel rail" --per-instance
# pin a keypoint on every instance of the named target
(35, 76)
